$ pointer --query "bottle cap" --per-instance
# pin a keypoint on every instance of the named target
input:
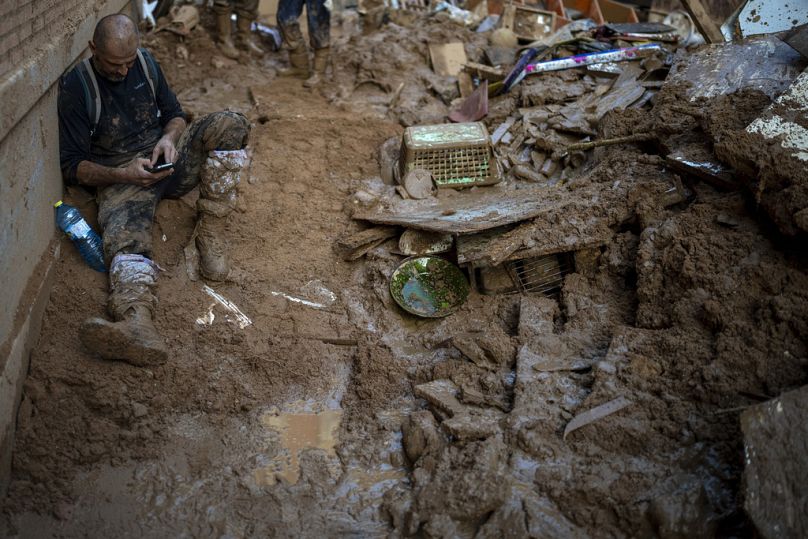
(57, 204)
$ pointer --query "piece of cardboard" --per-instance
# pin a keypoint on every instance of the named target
(447, 58)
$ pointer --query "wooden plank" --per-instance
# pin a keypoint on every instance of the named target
(465, 84)
(703, 21)
(483, 71)
(367, 236)
(466, 213)
(555, 232)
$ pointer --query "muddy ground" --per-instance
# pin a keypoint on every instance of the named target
(313, 420)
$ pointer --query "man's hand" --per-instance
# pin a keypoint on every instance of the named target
(136, 173)
(164, 147)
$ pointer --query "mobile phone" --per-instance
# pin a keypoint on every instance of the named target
(159, 167)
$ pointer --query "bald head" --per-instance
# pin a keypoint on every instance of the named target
(114, 46)
(116, 33)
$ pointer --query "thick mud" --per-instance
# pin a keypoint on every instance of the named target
(329, 411)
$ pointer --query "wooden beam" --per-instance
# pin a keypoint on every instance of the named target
(703, 21)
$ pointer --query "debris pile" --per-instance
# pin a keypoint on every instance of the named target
(571, 299)
(388, 71)
(620, 184)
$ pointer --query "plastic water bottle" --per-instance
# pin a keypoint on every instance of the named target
(85, 238)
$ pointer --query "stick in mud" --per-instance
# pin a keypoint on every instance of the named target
(582, 146)
(336, 341)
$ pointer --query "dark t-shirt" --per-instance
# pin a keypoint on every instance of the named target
(129, 124)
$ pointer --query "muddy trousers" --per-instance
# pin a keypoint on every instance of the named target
(247, 9)
(318, 18)
(126, 212)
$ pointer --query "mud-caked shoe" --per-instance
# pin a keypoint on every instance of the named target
(133, 340)
(299, 66)
(246, 39)
(321, 57)
(224, 38)
(227, 48)
(214, 264)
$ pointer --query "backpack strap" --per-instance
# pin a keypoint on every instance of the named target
(91, 94)
(150, 70)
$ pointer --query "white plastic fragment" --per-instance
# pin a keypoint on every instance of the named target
(305, 302)
(242, 320)
(208, 318)
(596, 413)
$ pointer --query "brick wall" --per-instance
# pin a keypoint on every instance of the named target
(26, 25)
(39, 40)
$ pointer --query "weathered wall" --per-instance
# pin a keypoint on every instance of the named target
(39, 40)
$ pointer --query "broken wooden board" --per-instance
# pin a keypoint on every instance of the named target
(482, 71)
(465, 84)
(763, 63)
(619, 98)
(466, 213)
(369, 235)
(704, 166)
(625, 90)
(545, 237)
(448, 59)
(703, 21)
(358, 245)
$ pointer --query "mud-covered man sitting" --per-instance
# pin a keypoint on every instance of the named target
(118, 118)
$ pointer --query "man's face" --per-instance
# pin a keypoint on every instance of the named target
(114, 60)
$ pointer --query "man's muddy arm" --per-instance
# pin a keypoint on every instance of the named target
(174, 129)
(95, 175)
(167, 146)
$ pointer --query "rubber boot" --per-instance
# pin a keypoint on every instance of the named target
(299, 66)
(225, 39)
(245, 36)
(298, 52)
(214, 264)
(132, 337)
(218, 193)
(321, 57)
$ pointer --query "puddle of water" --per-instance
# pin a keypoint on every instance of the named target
(298, 432)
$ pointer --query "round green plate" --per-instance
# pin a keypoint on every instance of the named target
(429, 286)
